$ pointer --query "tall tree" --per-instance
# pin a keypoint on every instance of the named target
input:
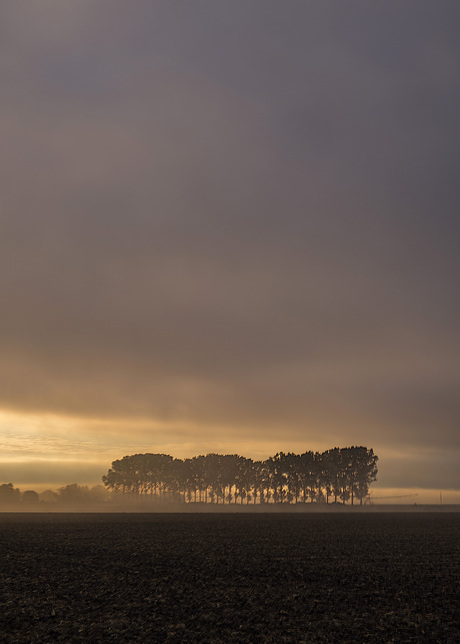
(344, 473)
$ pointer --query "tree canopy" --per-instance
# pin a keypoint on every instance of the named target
(341, 474)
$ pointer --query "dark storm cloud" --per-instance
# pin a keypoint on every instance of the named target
(234, 213)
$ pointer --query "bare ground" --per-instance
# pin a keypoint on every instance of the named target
(230, 578)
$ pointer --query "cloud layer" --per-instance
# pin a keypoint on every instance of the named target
(239, 217)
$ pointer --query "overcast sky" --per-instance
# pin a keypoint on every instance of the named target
(229, 226)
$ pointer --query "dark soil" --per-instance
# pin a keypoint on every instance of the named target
(230, 578)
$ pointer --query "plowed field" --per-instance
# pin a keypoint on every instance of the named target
(230, 578)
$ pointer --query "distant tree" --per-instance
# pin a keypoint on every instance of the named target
(73, 493)
(277, 466)
(242, 480)
(139, 474)
(98, 494)
(48, 496)
(114, 480)
(230, 476)
(362, 471)
(264, 481)
(213, 480)
(30, 497)
(330, 466)
(344, 474)
(293, 477)
(199, 476)
(307, 475)
(258, 482)
(175, 479)
(9, 495)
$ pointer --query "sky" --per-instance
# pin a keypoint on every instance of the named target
(229, 227)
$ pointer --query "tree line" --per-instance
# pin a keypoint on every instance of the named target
(341, 474)
(68, 495)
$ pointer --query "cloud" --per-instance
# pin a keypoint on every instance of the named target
(233, 217)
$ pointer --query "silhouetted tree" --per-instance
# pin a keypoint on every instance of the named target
(30, 497)
(344, 473)
(75, 494)
(361, 471)
(9, 495)
(48, 496)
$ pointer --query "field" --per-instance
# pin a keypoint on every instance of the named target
(230, 578)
